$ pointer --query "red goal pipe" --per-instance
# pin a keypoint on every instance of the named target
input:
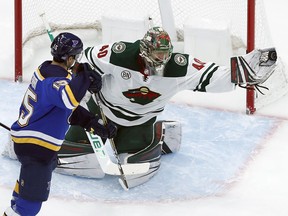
(18, 40)
(250, 94)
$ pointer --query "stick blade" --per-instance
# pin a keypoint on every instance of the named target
(128, 169)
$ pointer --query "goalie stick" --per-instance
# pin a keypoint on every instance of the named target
(99, 149)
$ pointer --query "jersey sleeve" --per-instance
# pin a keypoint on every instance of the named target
(59, 93)
(196, 75)
(81, 117)
(68, 91)
(99, 58)
(209, 76)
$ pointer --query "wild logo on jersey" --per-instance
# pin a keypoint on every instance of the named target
(141, 95)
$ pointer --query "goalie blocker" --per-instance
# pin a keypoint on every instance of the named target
(79, 159)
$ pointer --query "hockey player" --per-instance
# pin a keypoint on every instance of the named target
(50, 104)
(138, 80)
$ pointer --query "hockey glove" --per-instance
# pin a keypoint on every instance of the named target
(253, 68)
(96, 126)
(94, 77)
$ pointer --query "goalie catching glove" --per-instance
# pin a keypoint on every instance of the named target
(253, 68)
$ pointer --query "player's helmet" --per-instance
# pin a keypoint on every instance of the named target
(65, 45)
(156, 49)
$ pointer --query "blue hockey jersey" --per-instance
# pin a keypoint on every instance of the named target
(46, 107)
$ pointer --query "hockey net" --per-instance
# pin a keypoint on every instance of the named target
(66, 15)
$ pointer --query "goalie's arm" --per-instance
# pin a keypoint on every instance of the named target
(253, 68)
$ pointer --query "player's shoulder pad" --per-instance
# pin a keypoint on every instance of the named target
(177, 65)
(126, 54)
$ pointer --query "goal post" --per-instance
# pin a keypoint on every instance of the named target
(250, 94)
(18, 40)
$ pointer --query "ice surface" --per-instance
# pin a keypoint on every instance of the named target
(229, 163)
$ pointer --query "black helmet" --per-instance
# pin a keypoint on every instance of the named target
(65, 45)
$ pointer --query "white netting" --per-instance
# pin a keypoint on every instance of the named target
(76, 14)
(87, 15)
(277, 85)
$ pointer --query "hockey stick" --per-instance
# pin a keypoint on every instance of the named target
(5, 126)
(47, 26)
(100, 151)
(107, 165)
(122, 180)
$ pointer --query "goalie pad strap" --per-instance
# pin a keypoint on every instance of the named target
(166, 149)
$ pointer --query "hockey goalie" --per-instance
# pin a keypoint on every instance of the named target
(138, 80)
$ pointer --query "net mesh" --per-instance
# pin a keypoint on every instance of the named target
(88, 14)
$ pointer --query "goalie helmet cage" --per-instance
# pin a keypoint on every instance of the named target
(247, 21)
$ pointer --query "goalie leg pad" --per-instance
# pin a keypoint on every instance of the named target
(172, 138)
(253, 68)
(78, 159)
(85, 165)
(139, 179)
(151, 154)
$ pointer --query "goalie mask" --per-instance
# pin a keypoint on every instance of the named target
(65, 45)
(156, 50)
